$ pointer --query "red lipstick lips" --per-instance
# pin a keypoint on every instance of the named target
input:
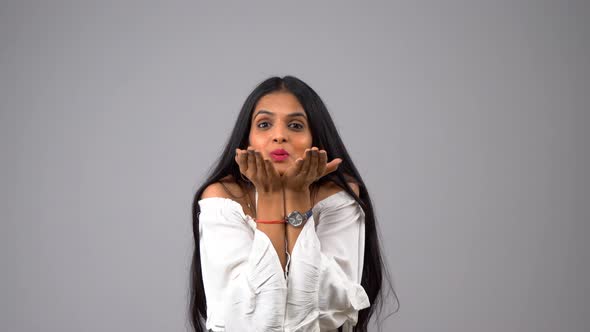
(279, 154)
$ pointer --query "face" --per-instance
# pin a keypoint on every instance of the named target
(279, 122)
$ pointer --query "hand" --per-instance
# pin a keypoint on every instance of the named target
(261, 172)
(308, 169)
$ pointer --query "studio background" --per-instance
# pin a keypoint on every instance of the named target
(468, 121)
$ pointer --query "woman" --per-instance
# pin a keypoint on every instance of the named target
(285, 235)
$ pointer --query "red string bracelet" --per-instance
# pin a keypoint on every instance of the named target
(269, 221)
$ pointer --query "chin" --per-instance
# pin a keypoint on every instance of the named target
(282, 169)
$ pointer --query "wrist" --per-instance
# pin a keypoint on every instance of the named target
(297, 201)
(298, 197)
(269, 188)
(297, 191)
(271, 194)
(270, 206)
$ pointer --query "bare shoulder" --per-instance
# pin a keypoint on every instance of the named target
(225, 188)
(353, 184)
(214, 190)
(330, 188)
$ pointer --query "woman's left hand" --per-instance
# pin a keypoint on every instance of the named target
(306, 170)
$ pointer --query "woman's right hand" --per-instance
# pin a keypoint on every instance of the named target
(261, 172)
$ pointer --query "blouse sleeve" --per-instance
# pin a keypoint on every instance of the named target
(245, 286)
(324, 290)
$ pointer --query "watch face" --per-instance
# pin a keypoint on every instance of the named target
(295, 219)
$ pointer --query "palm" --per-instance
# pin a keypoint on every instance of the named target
(309, 169)
(290, 172)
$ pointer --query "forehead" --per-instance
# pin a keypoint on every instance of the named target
(279, 103)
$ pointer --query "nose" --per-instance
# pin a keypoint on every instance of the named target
(279, 135)
(279, 139)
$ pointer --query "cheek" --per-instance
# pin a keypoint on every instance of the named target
(303, 144)
(301, 152)
(254, 141)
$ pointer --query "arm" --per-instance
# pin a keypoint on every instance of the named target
(300, 201)
(324, 290)
(270, 207)
(267, 181)
(244, 283)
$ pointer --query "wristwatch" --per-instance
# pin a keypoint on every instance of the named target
(296, 218)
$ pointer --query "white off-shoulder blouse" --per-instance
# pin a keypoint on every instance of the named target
(246, 288)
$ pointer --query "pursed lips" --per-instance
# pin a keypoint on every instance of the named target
(279, 155)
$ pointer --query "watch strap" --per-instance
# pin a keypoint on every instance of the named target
(308, 214)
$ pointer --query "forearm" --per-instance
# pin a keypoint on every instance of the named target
(270, 207)
(299, 201)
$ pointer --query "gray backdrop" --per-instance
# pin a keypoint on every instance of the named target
(467, 120)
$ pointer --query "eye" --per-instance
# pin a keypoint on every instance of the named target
(265, 124)
(262, 122)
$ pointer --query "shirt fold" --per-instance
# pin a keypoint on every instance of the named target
(242, 274)
(324, 290)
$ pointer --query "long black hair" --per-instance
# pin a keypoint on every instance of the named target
(324, 136)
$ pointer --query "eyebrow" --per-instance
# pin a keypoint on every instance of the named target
(290, 115)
